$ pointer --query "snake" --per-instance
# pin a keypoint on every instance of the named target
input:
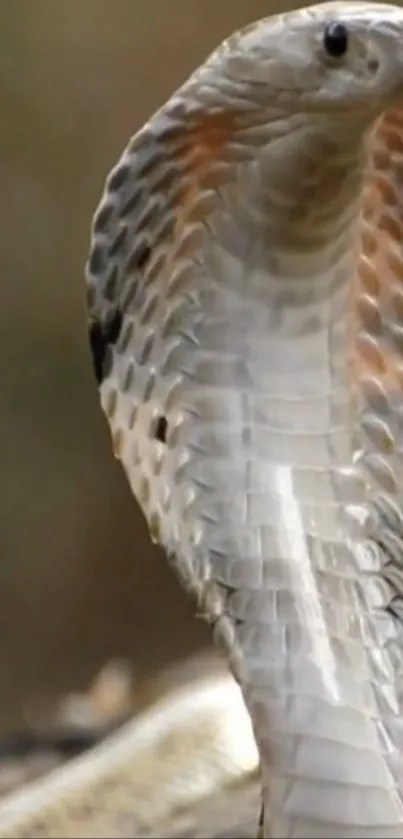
(245, 310)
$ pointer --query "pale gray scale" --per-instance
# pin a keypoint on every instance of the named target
(181, 319)
(273, 576)
(121, 363)
(387, 530)
(305, 681)
(378, 433)
(384, 474)
(143, 340)
(356, 729)
(343, 767)
(398, 416)
(165, 177)
(380, 472)
(130, 204)
(372, 807)
(245, 366)
(240, 504)
(305, 675)
(334, 564)
(379, 416)
(320, 520)
(394, 415)
(330, 830)
(151, 209)
(288, 300)
(132, 295)
(217, 337)
(279, 412)
(382, 460)
(308, 482)
(394, 333)
(386, 513)
(282, 448)
(103, 216)
(373, 396)
(276, 606)
(147, 341)
(393, 572)
(228, 567)
(368, 310)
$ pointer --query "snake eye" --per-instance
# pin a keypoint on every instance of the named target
(335, 39)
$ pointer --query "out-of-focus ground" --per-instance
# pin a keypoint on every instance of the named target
(80, 582)
(63, 729)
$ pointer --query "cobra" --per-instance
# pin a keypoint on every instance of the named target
(245, 300)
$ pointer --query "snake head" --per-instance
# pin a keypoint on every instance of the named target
(336, 55)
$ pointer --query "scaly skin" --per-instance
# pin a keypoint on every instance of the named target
(225, 299)
(244, 292)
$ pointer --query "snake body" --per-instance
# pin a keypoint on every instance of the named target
(245, 303)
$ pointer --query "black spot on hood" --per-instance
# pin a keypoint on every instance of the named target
(102, 337)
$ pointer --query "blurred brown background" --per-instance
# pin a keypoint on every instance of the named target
(79, 580)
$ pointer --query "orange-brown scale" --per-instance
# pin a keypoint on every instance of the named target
(380, 270)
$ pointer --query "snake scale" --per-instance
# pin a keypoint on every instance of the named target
(245, 299)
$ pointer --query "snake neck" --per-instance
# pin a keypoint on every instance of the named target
(275, 503)
(292, 246)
